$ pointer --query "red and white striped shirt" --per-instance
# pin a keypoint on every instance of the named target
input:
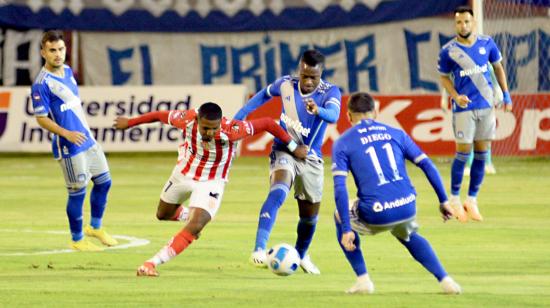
(209, 160)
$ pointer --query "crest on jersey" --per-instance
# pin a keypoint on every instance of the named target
(482, 50)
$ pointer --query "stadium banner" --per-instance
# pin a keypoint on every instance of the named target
(524, 132)
(19, 131)
(211, 16)
(392, 58)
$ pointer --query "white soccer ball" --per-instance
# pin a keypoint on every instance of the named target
(283, 259)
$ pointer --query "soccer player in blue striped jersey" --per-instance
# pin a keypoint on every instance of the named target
(465, 74)
(309, 104)
(58, 109)
(375, 154)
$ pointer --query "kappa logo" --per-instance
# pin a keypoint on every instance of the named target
(214, 195)
(4, 107)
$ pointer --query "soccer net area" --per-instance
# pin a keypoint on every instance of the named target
(527, 79)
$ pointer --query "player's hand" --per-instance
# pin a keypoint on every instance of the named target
(446, 211)
(507, 107)
(347, 241)
(75, 137)
(121, 123)
(311, 106)
(301, 151)
(462, 100)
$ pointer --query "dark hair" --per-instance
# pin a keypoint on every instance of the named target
(51, 36)
(210, 111)
(313, 57)
(464, 9)
(360, 102)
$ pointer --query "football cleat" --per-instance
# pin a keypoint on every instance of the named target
(258, 258)
(363, 285)
(458, 209)
(470, 205)
(85, 245)
(449, 286)
(101, 235)
(309, 267)
(147, 269)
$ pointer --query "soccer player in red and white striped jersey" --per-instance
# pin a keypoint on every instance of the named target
(202, 169)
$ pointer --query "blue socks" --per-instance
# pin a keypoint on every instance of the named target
(457, 172)
(477, 172)
(422, 251)
(305, 230)
(98, 198)
(74, 212)
(268, 213)
(355, 258)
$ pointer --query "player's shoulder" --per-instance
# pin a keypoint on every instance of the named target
(450, 44)
(484, 38)
(325, 86)
(41, 78)
(286, 78)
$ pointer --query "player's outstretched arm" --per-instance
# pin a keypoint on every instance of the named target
(155, 116)
(267, 124)
(256, 101)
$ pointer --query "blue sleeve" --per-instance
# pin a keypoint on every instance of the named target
(444, 62)
(410, 149)
(40, 99)
(260, 98)
(494, 54)
(330, 111)
(256, 101)
(434, 177)
(340, 170)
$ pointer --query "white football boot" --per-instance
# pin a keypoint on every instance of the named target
(450, 286)
(258, 258)
(362, 285)
(309, 267)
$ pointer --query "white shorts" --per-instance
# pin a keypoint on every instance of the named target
(308, 174)
(477, 124)
(400, 229)
(79, 169)
(206, 195)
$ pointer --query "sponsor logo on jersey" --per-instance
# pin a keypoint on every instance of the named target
(295, 125)
(474, 70)
(482, 50)
(69, 105)
(379, 207)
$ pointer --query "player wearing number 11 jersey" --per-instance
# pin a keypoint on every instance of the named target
(375, 155)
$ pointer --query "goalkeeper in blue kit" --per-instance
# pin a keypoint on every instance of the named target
(375, 155)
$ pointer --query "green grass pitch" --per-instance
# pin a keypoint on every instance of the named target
(503, 261)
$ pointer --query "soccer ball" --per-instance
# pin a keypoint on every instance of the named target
(283, 259)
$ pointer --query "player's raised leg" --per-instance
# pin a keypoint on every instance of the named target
(198, 218)
(280, 185)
